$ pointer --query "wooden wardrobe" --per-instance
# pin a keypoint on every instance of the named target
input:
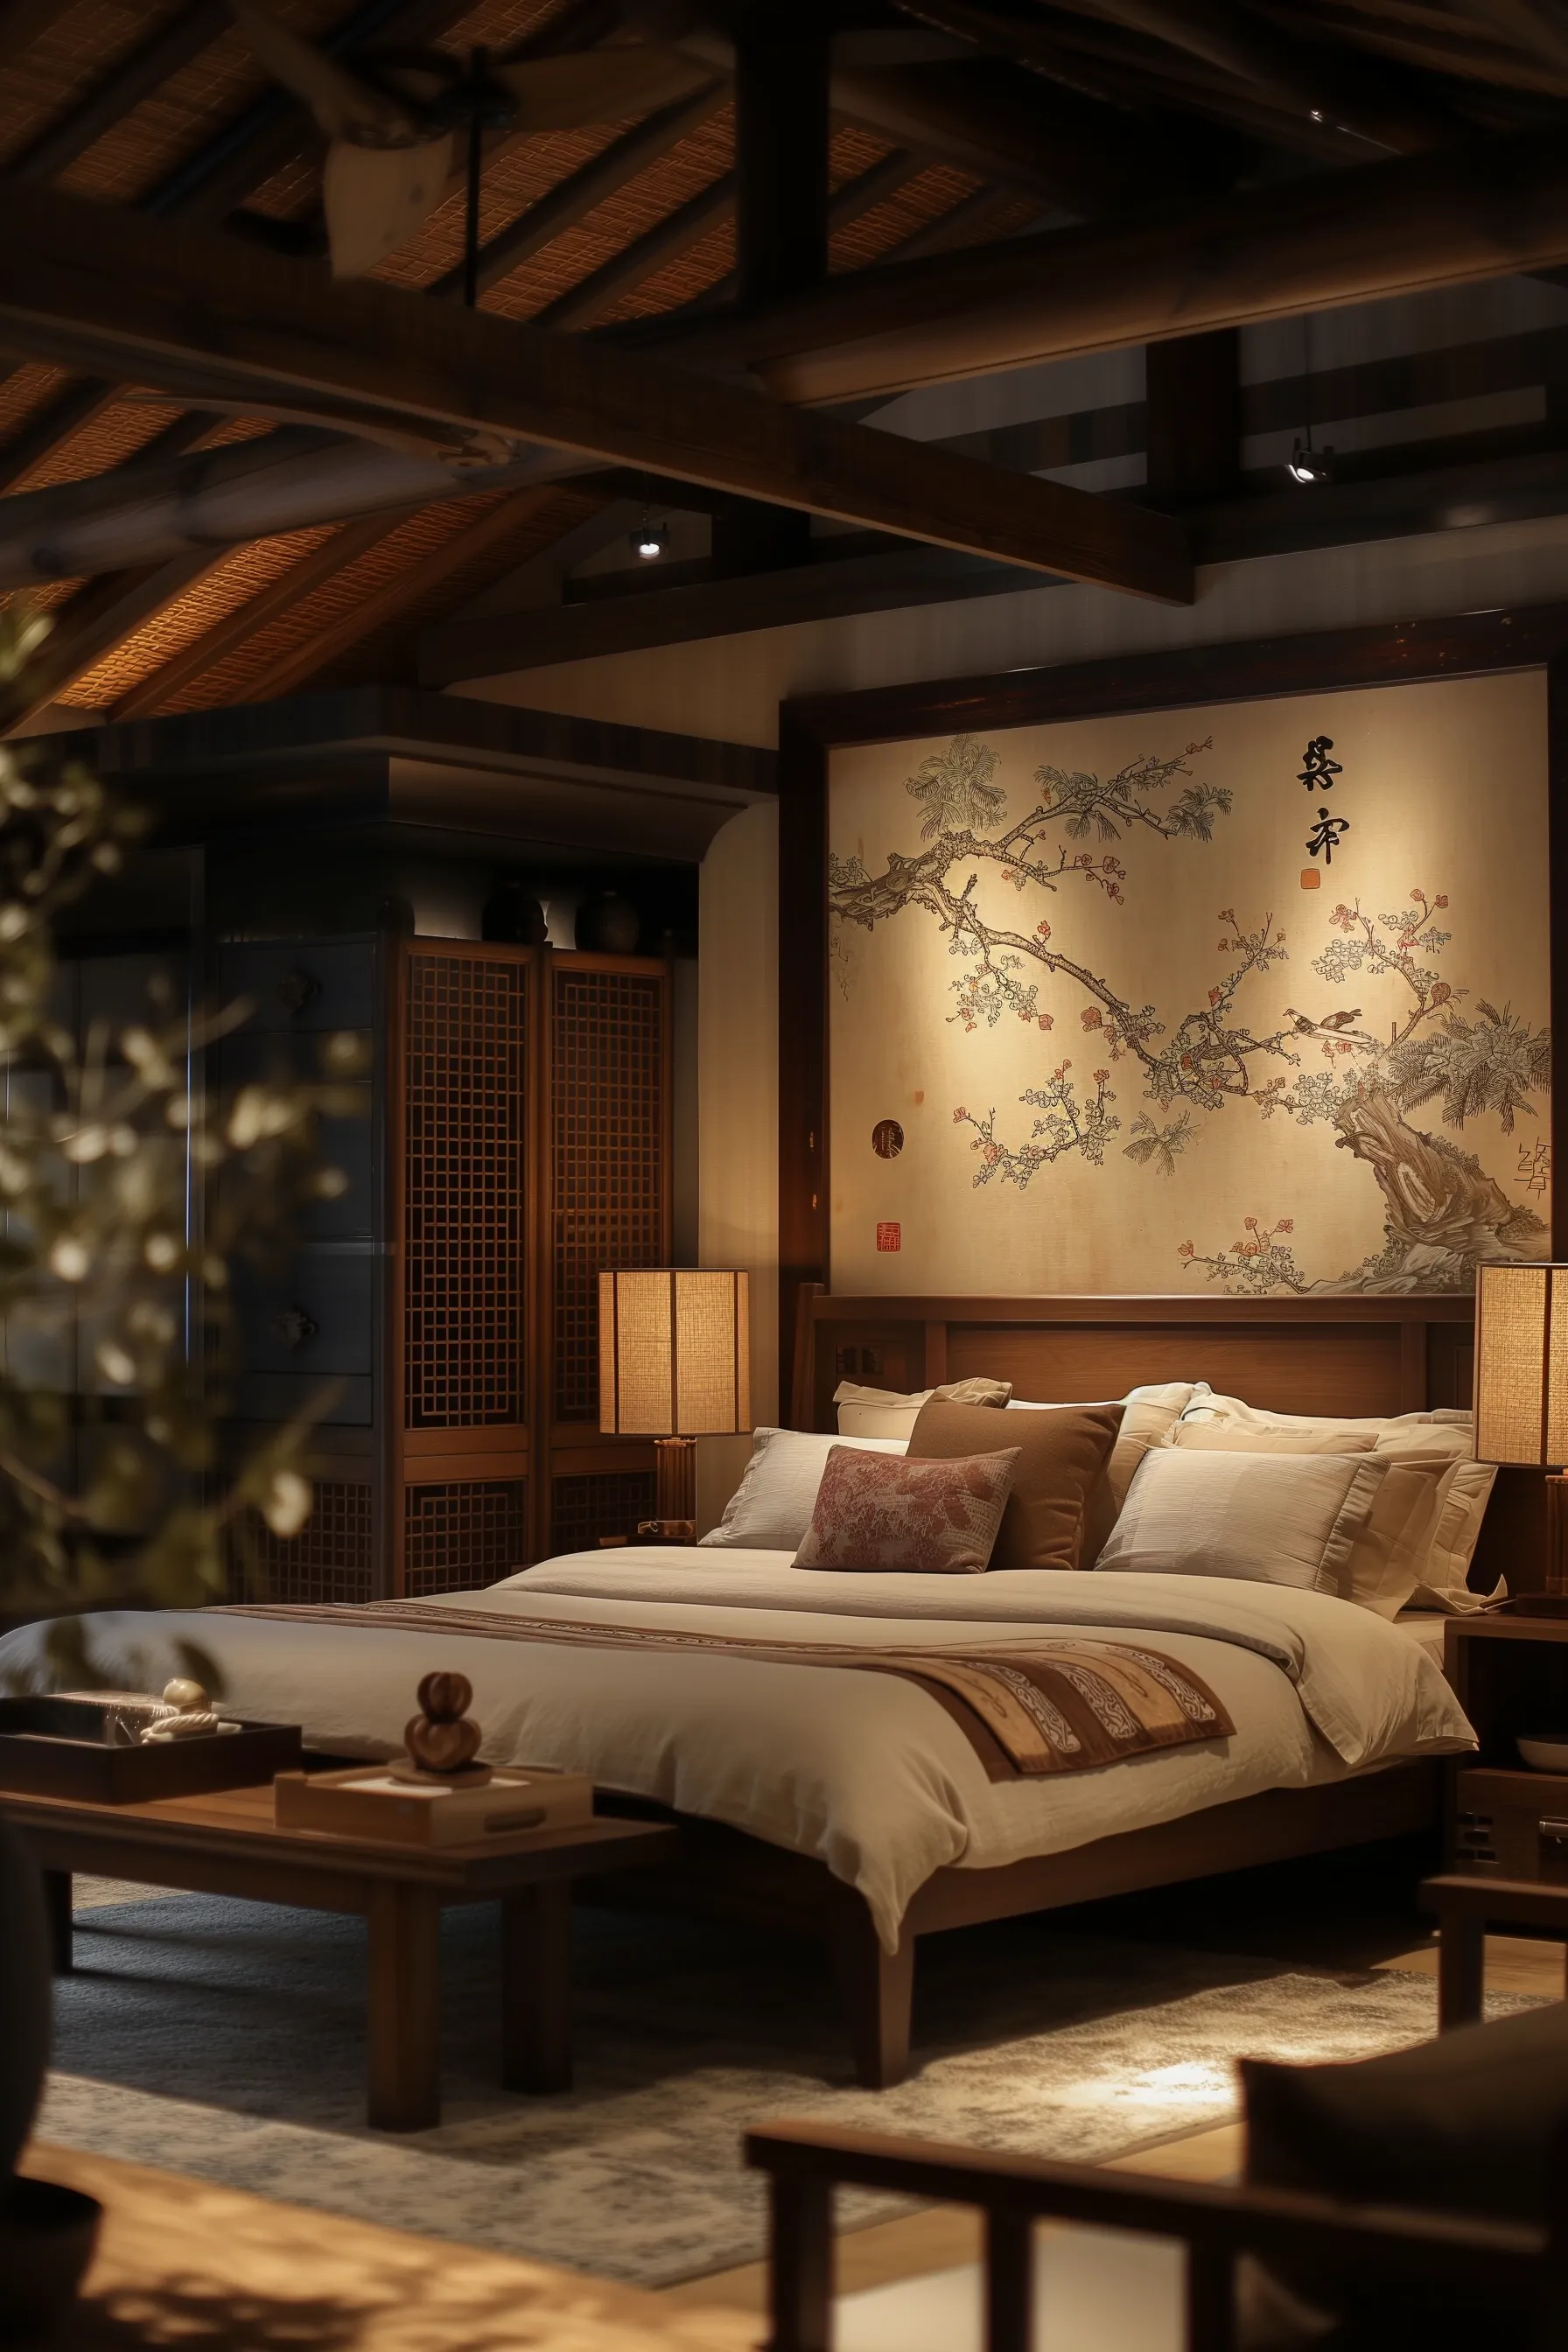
(516, 1139)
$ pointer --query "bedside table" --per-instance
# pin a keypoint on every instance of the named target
(1510, 1674)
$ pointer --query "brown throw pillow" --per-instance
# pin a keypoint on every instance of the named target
(1061, 1455)
(882, 1510)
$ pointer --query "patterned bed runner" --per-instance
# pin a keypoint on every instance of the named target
(1052, 1706)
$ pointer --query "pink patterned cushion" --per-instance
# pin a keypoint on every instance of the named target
(882, 1510)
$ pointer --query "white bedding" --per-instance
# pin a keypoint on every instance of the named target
(866, 1772)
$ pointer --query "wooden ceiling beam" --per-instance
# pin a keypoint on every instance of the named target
(1044, 140)
(1369, 104)
(1487, 209)
(104, 290)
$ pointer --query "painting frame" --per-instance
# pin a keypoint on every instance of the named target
(812, 727)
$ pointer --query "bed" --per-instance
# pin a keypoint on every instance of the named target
(723, 1688)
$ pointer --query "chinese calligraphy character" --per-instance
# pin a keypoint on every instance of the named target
(1534, 1166)
(1326, 836)
(1317, 769)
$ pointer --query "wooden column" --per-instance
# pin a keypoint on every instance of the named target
(1194, 431)
(782, 59)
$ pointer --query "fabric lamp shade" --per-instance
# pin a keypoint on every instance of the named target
(1521, 1364)
(675, 1352)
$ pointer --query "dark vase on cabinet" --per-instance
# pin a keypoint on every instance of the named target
(517, 1139)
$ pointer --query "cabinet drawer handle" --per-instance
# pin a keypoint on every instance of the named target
(1556, 1830)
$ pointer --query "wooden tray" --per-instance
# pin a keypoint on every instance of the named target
(54, 1746)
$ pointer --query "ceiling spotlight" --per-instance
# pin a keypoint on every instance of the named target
(650, 540)
(1306, 463)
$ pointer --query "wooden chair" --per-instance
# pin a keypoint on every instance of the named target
(1217, 2225)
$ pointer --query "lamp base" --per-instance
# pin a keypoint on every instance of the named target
(1556, 1534)
(675, 1490)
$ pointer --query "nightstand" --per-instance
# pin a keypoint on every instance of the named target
(1510, 1672)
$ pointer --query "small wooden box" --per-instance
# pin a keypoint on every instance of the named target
(368, 1803)
(53, 1744)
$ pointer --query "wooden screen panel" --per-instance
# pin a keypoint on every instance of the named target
(609, 1157)
(331, 1558)
(463, 1533)
(606, 1503)
(464, 1197)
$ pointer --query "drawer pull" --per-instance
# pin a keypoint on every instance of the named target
(1556, 1830)
(294, 1326)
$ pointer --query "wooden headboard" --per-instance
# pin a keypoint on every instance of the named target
(1348, 1355)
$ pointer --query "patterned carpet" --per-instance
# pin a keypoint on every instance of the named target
(226, 2039)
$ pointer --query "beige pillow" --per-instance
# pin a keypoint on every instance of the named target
(1346, 1523)
(1149, 1416)
(1443, 1428)
(892, 1413)
(1221, 1437)
(1445, 1435)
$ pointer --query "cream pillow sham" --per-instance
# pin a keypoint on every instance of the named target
(892, 1413)
(1350, 1525)
(1445, 1435)
(771, 1509)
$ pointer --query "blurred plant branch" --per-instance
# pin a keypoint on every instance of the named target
(129, 1195)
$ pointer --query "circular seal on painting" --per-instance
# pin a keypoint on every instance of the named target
(887, 1138)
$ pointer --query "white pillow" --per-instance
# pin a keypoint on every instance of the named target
(1443, 1428)
(1152, 1414)
(1445, 1434)
(892, 1413)
(1346, 1523)
(771, 1509)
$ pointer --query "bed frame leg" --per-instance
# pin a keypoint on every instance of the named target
(878, 1992)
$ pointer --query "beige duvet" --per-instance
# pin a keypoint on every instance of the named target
(866, 1771)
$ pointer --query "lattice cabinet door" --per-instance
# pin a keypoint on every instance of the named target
(607, 1203)
(465, 1141)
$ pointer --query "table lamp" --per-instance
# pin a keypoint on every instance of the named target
(675, 1356)
(1521, 1386)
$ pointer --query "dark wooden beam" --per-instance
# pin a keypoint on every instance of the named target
(827, 588)
(782, 66)
(104, 290)
(1487, 209)
(1193, 417)
(1224, 530)
(1032, 135)
(1322, 84)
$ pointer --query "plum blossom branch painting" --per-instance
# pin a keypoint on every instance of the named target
(1315, 1095)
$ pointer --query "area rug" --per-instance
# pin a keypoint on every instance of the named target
(227, 2040)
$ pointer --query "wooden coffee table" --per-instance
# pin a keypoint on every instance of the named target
(227, 1842)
